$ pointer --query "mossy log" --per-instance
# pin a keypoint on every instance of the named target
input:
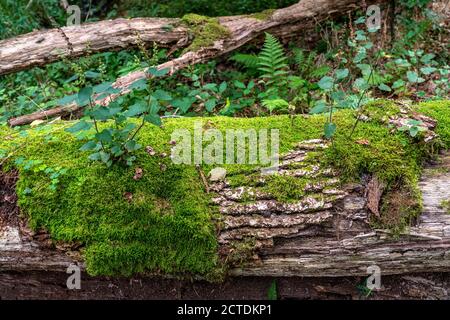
(203, 39)
(309, 220)
(39, 48)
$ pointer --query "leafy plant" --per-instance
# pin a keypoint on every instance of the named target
(413, 127)
(37, 166)
(117, 142)
(272, 63)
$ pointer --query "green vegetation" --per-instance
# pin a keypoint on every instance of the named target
(105, 181)
(161, 220)
(205, 31)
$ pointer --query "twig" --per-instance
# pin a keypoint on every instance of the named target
(202, 176)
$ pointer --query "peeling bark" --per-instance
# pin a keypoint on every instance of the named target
(326, 237)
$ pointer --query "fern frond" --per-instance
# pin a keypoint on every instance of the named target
(320, 71)
(273, 63)
(299, 56)
(275, 104)
(249, 61)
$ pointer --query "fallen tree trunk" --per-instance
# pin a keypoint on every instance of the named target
(42, 47)
(330, 237)
(323, 232)
(77, 41)
(303, 261)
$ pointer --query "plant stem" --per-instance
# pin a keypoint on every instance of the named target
(358, 118)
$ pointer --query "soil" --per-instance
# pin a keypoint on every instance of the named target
(44, 285)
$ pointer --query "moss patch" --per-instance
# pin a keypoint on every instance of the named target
(439, 110)
(205, 30)
(445, 204)
(263, 15)
(164, 221)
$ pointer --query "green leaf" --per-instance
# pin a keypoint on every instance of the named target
(92, 75)
(154, 119)
(341, 73)
(105, 87)
(398, 84)
(117, 151)
(222, 87)
(210, 86)
(413, 131)
(384, 87)
(361, 84)
(162, 95)
(360, 35)
(68, 99)
(210, 104)
(360, 56)
(427, 58)
(413, 77)
(136, 109)
(183, 104)
(104, 136)
(79, 126)
(101, 113)
(427, 70)
(326, 83)
(131, 146)
(104, 156)
(158, 73)
(338, 95)
(360, 20)
(91, 145)
(95, 156)
(138, 85)
(330, 129)
(319, 107)
(84, 95)
(239, 84)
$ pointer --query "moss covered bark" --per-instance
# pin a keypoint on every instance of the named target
(164, 221)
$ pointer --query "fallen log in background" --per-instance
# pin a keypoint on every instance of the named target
(33, 49)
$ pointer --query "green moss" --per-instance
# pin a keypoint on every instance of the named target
(381, 110)
(263, 15)
(445, 204)
(440, 111)
(205, 30)
(164, 221)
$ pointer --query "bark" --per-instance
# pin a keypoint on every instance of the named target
(326, 236)
(43, 47)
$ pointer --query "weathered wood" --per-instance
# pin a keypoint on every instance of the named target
(327, 233)
(243, 29)
(329, 237)
(42, 47)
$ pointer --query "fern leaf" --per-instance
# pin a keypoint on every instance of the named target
(249, 61)
(273, 63)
